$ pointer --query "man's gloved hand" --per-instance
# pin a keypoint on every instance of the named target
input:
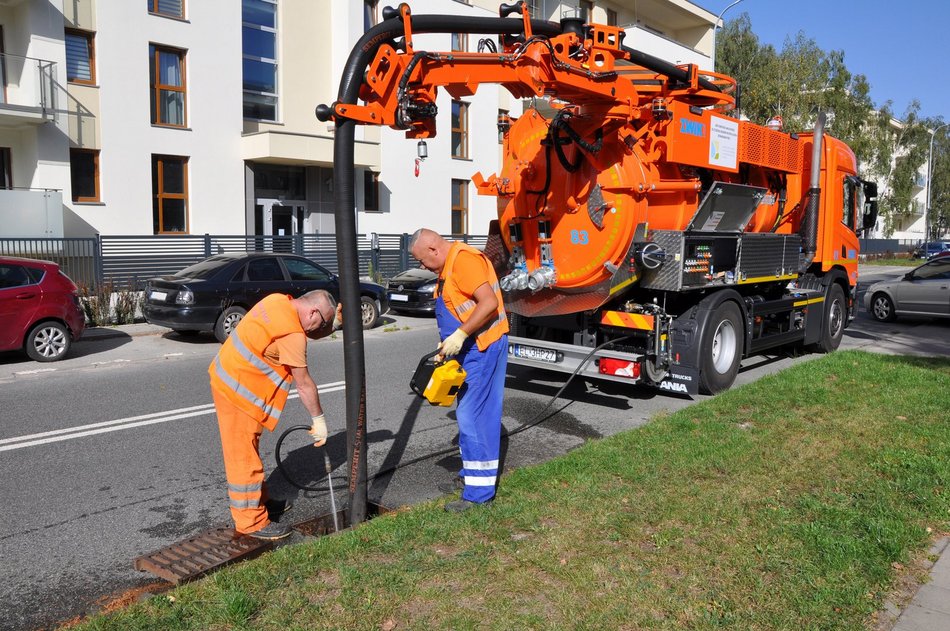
(451, 345)
(318, 429)
(338, 320)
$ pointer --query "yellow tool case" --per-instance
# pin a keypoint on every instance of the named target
(438, 383)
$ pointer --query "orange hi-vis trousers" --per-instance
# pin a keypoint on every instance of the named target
(240, 438)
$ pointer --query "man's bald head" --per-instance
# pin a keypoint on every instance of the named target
(316, 310)
(429, 248)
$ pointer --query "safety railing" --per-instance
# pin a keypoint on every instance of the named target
(27, 86)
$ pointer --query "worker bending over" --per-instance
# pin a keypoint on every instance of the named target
(250, 380)
(473, 327)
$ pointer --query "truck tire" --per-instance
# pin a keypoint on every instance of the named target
(227, 321)
(721, 349)
(832, 324)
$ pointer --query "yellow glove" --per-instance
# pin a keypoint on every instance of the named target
(451, 345)
(338, 320)
(318, 429)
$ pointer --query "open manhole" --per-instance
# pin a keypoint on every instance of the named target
(200, 554)
(323, 524)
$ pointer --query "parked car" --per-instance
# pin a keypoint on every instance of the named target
(411, 291)
(929, 250)
(39, 309)
(923, 291)
(214, 295)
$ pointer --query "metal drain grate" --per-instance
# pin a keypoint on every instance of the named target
(200, 554)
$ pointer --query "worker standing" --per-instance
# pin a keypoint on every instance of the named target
(473, 327)
(250, 380)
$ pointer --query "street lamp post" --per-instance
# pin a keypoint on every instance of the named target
(930, 166)
(716, 28)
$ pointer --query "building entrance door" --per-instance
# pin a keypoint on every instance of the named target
(282, 220)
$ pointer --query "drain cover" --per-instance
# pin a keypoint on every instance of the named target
(200, 554)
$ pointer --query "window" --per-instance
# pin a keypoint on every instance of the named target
(169, 194)
(534, 8)
(84, 172)
(459, 129)
(460, 42)
(167, 76)
(80, 57)
(259, 46)
(611, 17)
(171, 8)
(850, 201)
(14, 276)
(305, 270)
(459, 206)
(587, 9)
(370, 190)
(502, 117)
(934, 269)
(264, 269)
(6, 169)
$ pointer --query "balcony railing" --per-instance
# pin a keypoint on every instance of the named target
(31, 212)
(27, 91)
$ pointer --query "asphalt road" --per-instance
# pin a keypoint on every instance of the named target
(114, 452)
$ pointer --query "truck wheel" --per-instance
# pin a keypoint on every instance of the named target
(836, 312)
(721, 349)
(227, 321)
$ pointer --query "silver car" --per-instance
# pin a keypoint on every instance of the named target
(924, 291)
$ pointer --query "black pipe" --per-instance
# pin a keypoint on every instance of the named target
(666, 68)
(809, 228)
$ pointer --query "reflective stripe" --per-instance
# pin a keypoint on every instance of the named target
(244, 488)
(260, 364)
(466, 306)
(246, 503)
(480, 465)
(502, 317)
(232, 383)
(474, 480)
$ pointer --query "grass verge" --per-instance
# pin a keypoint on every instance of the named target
(784, 504)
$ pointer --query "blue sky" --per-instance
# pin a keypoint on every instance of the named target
(900, 46)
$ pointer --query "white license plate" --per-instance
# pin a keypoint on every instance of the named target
(158, 295)
(399, 297)
(532, 352)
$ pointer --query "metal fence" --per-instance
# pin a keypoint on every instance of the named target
(128, 261)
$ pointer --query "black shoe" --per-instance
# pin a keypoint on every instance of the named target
(461, 506)
(276, 508)
(457, 484)
(272, 531)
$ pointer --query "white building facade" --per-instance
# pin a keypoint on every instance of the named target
(197, 116)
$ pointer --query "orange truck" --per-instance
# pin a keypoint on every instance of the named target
(644, 234)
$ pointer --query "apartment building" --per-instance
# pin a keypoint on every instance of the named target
(160, 117)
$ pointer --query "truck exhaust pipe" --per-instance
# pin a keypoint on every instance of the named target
(809, 228)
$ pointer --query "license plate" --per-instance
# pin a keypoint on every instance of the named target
(399, 297)
(158, 295)
(533, 352)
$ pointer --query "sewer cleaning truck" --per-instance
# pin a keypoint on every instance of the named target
(644, 233)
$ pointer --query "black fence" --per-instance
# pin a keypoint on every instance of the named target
(129, 261)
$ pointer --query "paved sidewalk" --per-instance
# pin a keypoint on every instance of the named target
(122, 330)
(930, 608)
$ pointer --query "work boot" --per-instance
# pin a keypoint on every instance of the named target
(276, 508)
(460, 506)
(271, 531)
(457, 484)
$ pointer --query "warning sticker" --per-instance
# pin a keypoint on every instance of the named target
(723, 142)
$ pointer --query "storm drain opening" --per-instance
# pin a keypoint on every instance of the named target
(198, 555)
(323, 524)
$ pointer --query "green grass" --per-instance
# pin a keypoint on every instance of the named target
(779, 505)
(893, 261)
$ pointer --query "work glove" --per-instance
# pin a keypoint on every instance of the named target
(318, 429)
(451, 345)
(338, 320)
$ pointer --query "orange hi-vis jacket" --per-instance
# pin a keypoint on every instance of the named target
(242, 374)
(461, 304)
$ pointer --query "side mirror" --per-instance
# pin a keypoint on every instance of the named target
(909, 276)
(870, 215)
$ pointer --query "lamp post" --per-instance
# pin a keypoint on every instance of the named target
(930, 166)
(716, 28)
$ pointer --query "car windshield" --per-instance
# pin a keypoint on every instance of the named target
(206, 268)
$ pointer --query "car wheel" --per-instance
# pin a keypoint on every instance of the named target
(227, 322)
(721, 349)
(369, 312)
(882, 308)
(47, 342)
(836, 314)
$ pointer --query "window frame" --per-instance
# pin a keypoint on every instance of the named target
(90, 37)
(275, 62)
(459, 42)
(462, 131)
(158, 161)
(154, 10)
(461, 208)
(95, 163)
(6, 175)
(612, 17)
(158, 87)
(371, 183)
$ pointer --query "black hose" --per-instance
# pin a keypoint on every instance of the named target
(666, 68)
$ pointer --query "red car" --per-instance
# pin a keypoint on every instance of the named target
(39, 309)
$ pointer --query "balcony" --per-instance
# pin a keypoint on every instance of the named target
(27, 97)
(665, 48)
(31, 213)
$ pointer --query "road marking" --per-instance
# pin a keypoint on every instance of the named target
(55, 436)
(33, 372)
